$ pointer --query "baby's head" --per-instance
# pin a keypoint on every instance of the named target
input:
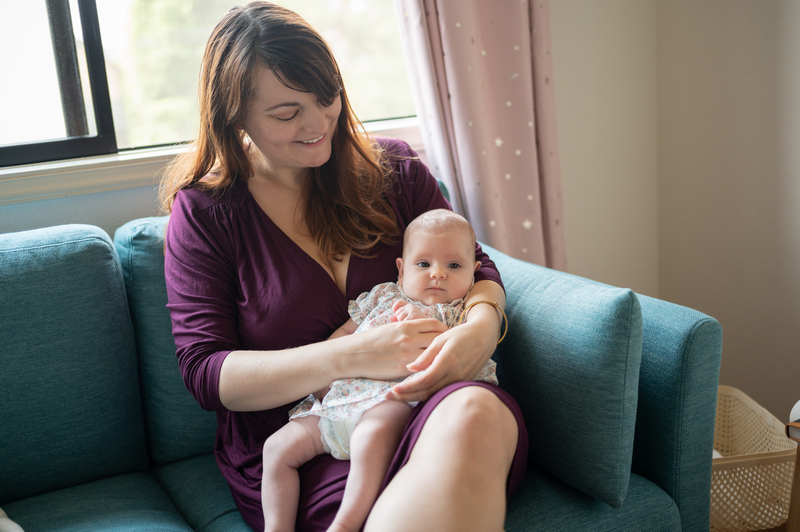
(438, 263)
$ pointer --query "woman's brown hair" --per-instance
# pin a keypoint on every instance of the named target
(346, 209)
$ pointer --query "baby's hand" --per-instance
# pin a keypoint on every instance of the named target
(403, 310)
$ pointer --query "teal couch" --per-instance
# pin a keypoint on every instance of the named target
(99, 433)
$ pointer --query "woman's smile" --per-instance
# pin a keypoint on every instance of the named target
(313, 141)
(291, 129)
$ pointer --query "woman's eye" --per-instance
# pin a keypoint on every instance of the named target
(286, 118)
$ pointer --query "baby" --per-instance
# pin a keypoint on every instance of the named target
(352, 418)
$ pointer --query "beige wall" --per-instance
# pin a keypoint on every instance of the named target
(725, 146)
(604, 60)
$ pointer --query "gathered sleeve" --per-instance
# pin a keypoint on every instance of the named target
(361, 307)
(202, 293)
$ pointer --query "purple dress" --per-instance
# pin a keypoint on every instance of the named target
(235, 281)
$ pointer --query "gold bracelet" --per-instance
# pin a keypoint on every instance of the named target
(492, 303)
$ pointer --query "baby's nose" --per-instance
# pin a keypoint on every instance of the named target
(438, 273)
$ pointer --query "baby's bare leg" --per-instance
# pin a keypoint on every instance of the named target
(372, 446)
(293, 445)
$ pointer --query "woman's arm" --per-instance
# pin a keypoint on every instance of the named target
(460, 353)
(260, 380)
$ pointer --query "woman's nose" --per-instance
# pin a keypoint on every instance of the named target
(318, 120)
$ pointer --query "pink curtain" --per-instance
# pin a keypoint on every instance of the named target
(482, 76)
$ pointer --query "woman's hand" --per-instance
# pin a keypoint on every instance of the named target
(459, 353)
(385, 352)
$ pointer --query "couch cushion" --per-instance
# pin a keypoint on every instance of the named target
(545, 503)
(201, 494)
(176, 425)
(575, 347)
(69, 394)
(131, 502)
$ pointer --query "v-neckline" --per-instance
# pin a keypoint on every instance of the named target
(328, 275)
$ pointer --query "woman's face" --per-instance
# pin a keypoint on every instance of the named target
(291, 129)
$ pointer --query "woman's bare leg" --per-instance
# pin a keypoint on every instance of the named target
(455, 478)
(293, 445)
(372, 446)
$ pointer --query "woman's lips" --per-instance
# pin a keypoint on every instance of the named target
(312, 142)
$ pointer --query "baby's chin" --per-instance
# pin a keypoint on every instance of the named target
(433, 300)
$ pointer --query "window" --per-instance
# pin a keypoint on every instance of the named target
(74, 97)
(54, 99)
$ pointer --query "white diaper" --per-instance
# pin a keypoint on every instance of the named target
(335, 435)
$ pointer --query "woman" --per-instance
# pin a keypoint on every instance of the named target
(283, 212)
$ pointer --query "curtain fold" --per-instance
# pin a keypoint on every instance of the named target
(482, 78)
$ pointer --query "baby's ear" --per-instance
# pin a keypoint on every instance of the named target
(399, 262)
(477, 265)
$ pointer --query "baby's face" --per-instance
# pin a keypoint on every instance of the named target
(437, 268)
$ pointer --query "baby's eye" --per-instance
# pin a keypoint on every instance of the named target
(454, 265)
(423, 264)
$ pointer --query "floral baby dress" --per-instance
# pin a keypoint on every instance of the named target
(347, 399)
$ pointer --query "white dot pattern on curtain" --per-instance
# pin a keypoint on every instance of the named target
(492, 93)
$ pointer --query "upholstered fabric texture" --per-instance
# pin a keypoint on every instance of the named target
(201, 494)
(571, 359)
(678, 390)
(125, 503)
(176, 425)
(559, 507)
(67, 360)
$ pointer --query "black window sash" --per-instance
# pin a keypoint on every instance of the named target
(78, 143)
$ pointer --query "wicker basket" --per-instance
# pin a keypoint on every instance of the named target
(752, 483)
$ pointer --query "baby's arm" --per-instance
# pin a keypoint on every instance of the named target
(348, 328)
(403, 310)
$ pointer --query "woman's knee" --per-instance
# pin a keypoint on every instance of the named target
(476, 416)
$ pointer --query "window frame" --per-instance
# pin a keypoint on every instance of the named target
(102, 143)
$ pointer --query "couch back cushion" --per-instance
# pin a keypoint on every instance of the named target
(69, 393)
(176, 425)
(571, 359)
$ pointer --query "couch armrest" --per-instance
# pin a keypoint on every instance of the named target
(678, 386)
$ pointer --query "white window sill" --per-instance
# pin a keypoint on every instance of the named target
(137, 168)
